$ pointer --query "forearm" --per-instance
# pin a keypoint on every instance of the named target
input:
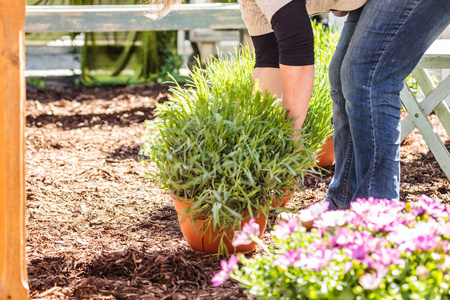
(268, 79)
(297, 86)
(297, 81)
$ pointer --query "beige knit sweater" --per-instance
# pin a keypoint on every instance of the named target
(258, 13)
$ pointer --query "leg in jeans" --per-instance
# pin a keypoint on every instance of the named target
(342, 187)
(366, 78)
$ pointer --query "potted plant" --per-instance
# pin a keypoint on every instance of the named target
(378, 249)
(226, 151)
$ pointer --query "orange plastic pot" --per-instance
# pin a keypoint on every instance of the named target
(202, 239)
(326, 154)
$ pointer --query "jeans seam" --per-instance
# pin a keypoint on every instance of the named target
(375, 163)
(344, 195)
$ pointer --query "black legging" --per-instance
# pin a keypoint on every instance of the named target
(291, 42)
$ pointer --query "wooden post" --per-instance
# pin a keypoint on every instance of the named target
(13, 269)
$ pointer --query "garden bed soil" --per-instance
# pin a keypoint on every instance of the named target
(98, 229)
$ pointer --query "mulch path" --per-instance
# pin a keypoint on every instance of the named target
(99, 228)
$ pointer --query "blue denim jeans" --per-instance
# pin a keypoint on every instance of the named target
(379, 46)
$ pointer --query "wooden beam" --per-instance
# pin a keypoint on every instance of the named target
(91, 18)
(13, 269)
(437, 56)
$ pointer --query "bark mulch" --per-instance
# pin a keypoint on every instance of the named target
(98, 227)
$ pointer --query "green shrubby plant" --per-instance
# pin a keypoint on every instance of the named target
(229, 148)
(224, 146)
(378, 249)
(320, 113)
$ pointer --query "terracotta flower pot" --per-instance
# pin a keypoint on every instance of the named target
(201, 239)
(326, 154)
(284, 200)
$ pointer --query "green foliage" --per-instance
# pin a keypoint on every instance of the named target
(414, 86)
(224, 146)
(231, 149)
(36, 82)
(171, 62)
(320, 113)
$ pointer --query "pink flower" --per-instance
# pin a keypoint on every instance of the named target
(427, 242)
(319, 259)
(360, 245)
(368, 206)
(436, 256)
(343, 236)
(354, 219)
(399, 234)
(314, 211)
(370, 281)
(348, 266)
(285, 229)
(381, 221)
(227, 267)
(381, 259)
(444, 228)
(377, 243)
(361, 206)
(397, 205)
(424, 236)
(417, 211)
(445, 266)
(377, 266)
(409, 217)
(432, 227)
(249, 231)
(362, 237)
(356, 251)
(331, 219)
(383, 214)
(432, 207)
(421, 242)
(292, 257)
